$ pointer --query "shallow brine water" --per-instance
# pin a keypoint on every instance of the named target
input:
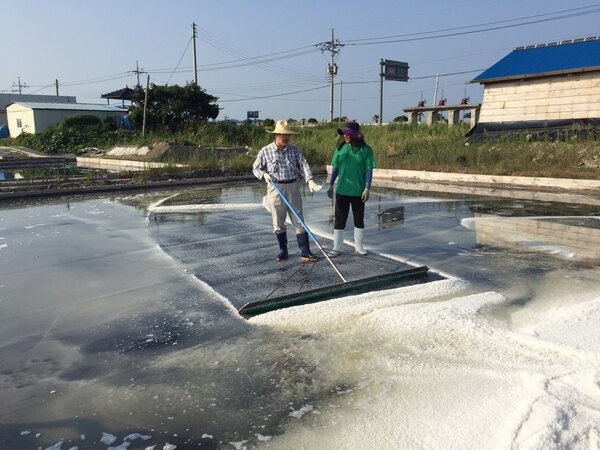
(112, 338)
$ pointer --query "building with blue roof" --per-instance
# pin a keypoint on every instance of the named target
(35, 117)
(8, 98)
(546, 87)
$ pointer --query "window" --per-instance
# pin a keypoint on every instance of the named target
(19, 123)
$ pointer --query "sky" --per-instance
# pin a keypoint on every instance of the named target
(273, 57)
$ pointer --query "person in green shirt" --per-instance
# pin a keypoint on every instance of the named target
(352, 166)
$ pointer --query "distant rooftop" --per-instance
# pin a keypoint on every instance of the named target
(12, 97)
(575, 55)
(70, 106)
(122, 94)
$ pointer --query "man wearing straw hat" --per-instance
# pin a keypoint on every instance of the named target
(283, 164)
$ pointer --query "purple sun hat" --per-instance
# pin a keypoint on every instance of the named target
(351, 129)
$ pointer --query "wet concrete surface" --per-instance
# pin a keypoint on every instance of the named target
(234, 252)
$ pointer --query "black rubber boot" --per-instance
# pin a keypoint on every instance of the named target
(306, 255)
(283, 242)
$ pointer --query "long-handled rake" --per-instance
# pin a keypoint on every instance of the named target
(310, 233)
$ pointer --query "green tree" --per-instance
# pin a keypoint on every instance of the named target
(172, 108)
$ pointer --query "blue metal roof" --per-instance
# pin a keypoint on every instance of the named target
(577, 55)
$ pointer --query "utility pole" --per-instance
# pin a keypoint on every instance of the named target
(341, 93)
(333, 48)
(194, 54)
(145, 106)
(56, 84)
(381, 77)
(19, 85)
(435, 92)
(137, 71)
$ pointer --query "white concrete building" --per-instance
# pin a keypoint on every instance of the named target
(28, 117)
(8, 98)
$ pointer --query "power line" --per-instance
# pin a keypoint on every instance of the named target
(239, 63)
(334, 45)
(449, 32)
(275, 95)
(179, 62)
(262, 60)
(41, 88)
(97, 80)
(300, 51)
(447, 74)
(348, 82)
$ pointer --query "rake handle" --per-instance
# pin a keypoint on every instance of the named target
(312, 236)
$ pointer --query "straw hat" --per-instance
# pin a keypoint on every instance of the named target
(282, 127)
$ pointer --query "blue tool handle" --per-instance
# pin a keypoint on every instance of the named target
(312, 236)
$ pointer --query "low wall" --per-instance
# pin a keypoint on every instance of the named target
(561, 190)
(120, 164)
(493, 180)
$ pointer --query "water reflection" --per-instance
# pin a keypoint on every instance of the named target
(4, 175)
(579, 240)
(390, 217)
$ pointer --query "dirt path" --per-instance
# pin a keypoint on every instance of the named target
(19, 151)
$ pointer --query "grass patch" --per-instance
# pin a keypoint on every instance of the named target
(436, 148)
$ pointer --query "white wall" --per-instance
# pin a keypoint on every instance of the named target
(25, 115)
(7, 98)
(39, 120)
(560, 97)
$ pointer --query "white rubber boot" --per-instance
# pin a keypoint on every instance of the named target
(359, 234)
(338, 243)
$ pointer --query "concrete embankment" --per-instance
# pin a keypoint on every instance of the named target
(533, 188)
(526, 188)
(120, 164)
(487, 180)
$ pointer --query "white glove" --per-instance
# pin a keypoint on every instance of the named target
(365, 195)
(314, 187)
(267, 177)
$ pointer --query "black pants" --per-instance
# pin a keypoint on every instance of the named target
(342, 208)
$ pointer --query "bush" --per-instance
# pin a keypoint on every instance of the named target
(83, 120)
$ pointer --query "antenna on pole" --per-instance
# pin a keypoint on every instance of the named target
(333, 48)
(19, 85)
(194, 54)
(137, 71)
